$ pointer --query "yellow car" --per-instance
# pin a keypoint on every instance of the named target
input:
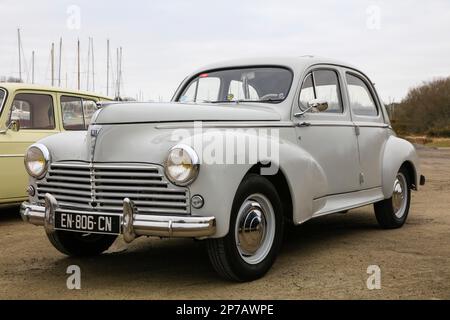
(29, 113)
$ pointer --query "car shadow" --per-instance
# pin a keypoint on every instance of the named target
(9, 213)
(187, 260)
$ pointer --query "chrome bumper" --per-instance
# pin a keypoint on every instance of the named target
(133, 223)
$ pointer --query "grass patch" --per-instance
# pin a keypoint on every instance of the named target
(429, 141)
(439, 143)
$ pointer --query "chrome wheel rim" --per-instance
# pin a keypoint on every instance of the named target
(255, 228)
(400, 195)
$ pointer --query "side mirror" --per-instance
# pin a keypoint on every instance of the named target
(316, 105)
(14, 125)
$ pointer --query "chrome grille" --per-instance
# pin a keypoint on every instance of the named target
(103, 186)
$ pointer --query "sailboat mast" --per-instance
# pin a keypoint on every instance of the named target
(88, 73)
(20, 55)
(120, 69)
(78, 63)
(118, 76)
(107, 67)
(93, 68)
(32, 67)
(59, 67)
(52, 53)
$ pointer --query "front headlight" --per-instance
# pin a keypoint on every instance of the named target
(37, 159)
(182, 165)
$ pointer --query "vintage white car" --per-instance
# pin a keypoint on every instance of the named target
(243, 148)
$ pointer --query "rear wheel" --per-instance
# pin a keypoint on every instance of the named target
(392, 213)
(80, 244)
(255, 233)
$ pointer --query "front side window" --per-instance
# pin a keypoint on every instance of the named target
(260, 84)
(361, 100)
(33, 111)
(77, 112)
(322, 85)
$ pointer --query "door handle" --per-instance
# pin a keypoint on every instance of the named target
(303, 124)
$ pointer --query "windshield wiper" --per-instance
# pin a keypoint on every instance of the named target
(264, 100)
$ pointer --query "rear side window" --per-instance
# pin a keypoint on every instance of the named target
(33, 111)
(77, 112)
(323, 85)
(361, 100)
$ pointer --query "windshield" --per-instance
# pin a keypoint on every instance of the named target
(2, 99)
(261, 84)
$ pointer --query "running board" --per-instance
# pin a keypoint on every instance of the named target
(346, 201)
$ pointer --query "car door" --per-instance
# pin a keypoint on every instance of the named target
(35, 112)
(329, 136)
(370, 126)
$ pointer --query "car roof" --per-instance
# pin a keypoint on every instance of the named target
(13, 86)
(295, 63)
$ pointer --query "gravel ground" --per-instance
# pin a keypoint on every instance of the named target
(326, 258)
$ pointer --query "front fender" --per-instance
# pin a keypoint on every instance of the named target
(217, 183)
(397, 151)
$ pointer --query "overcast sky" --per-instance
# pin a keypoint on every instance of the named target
(399, 44)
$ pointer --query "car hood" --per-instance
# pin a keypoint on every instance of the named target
(174, 112)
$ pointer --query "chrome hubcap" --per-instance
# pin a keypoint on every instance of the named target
(400, 195)
(255, 228)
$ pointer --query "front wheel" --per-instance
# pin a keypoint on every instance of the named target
(256, 229)
(392, 213)
(80, 244)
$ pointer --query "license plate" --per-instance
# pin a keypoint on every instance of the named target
(90, 223)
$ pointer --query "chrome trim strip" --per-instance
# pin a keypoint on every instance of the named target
(17, 155)
(221, 124)
(363, 124)
(319, 123)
